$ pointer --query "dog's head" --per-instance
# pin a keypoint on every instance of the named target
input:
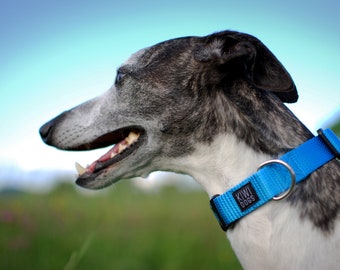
(165, 99)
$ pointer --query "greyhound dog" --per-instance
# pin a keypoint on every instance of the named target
(211, 107)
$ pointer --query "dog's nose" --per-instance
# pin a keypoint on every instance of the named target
(45, 132)
(48, 129)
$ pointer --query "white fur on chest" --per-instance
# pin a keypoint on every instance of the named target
(275, 237)
(272, 237)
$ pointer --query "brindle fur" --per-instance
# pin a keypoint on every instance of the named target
(190, 90)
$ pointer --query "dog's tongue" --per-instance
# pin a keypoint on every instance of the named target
(115, 150)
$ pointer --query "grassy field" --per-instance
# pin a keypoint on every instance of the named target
(121, 229)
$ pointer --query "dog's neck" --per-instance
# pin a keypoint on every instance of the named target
(222, 164)
(269, 237)
(226, 162)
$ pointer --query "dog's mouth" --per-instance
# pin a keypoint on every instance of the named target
(125, 141)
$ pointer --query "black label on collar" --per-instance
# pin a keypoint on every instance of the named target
(245, 196)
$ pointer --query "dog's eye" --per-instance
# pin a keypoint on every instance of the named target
(119, 77)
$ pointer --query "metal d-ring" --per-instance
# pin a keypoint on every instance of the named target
(292, 176)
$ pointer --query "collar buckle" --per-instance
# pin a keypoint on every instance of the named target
(330, 141)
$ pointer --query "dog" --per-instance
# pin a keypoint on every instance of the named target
(211, 107)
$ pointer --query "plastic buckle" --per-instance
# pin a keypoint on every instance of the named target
(213, 207)
(328, 143)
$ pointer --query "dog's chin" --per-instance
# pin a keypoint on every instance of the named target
(98, 180)
(114, 164)
(94, 180)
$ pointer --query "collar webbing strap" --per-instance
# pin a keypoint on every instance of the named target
(275, 177)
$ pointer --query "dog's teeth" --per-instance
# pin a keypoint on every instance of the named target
(132, 137)
(121, 147)
(113, 154)
(80, 169)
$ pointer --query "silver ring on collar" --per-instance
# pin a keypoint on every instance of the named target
(292, 177)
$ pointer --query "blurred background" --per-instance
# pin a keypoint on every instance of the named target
(57, 54)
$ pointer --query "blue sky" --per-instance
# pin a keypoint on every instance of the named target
(56, 54)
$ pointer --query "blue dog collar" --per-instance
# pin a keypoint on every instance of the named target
(275, 179)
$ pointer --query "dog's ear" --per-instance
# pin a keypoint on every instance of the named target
(263, 69)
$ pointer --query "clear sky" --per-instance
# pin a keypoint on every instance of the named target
(56, 53)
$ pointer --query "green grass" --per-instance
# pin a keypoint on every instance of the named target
(120, 229)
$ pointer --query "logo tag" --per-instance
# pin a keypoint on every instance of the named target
(245, 196)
